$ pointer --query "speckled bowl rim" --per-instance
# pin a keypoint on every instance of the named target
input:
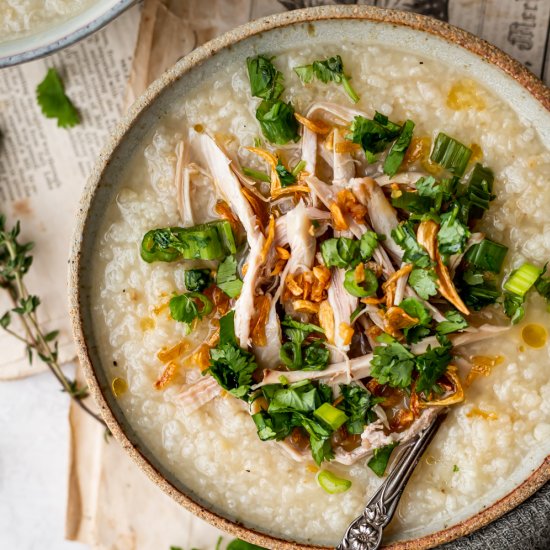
(69, 39)
(414, 21)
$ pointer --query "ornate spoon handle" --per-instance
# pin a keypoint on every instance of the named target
(365, 532)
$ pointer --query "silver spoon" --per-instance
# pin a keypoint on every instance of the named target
(365, 532)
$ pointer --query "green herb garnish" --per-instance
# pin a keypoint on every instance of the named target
(451, 154)
(454, 323)
(433, 364)
(277, 121)
(397, 151)
(423, 281)
(345, 252)
(393, 365)
(53, 101)
(256, 174)
(226, 278)
(453, 234)
(405, 237)
(379, 461)
(266, 82)
(187, 307)
(209, 241)
(374, 135)
(287, 178)
(196, 280)
(331, 483)
(230, 365)
(357, 404)
(486, 256)
(239, 544)
(328, 70)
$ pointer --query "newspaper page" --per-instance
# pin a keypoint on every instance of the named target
(170, 29)
(43, 168)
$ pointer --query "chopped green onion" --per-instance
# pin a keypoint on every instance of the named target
(487, 255)
(331, 483)
(480, 188)
(330, 415)
(480, 295)
(451, 154)
(361, 290)
(298, 168)
(256, 174)
(522, 279)
(209, 241)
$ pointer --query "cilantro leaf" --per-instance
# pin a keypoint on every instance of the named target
(423, 281)
(313, 357)
(316, 356)
(301, 396)
(373, 135)
(432, 364)
(379, 461)
(328, 70)
(232, 368)
(393, 365)
(196, 280)
(357, 404)
(53, 102)
(415, 308)
(266, 82)
(287, 178)
(405, 237)
(397, 152)
(277, 121)
(367, 245)
(513, 306)
(454, 322)
(272, 426)
(345, 252)
(226, 278)
(453, 234)
(227, 328)
(187, 307)
(321, 449)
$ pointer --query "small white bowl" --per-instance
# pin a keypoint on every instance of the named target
(60, 35)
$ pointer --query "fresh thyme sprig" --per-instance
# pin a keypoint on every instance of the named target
(15, 261)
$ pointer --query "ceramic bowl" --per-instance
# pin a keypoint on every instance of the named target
(498, 72)
(60, 35)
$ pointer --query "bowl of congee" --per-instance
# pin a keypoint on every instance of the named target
(306, 240)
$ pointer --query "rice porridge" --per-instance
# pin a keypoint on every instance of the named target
(19, 18)
(502, 422)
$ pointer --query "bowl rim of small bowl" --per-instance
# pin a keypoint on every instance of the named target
(411, 20)
(81, 31)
